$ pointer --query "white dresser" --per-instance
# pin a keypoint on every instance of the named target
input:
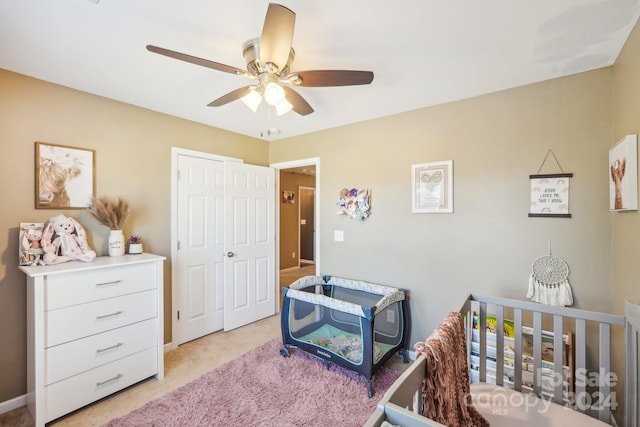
(93, 329)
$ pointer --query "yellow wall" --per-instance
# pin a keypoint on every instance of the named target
(488, 244)
(626, 225)
(133, 160)
(625, 269)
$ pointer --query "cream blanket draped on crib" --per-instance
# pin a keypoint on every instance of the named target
(445, 390)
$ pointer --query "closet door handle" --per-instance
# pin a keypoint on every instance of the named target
(101, 383)
(104, 316)
(230, 254)
(102, 350)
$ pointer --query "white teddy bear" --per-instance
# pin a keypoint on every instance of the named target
(64, 239)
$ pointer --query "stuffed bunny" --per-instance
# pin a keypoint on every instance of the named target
(64, 239)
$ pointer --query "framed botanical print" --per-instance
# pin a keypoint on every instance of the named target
(65, 176)
(432, 187)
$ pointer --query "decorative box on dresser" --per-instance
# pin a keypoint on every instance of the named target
(93, 329)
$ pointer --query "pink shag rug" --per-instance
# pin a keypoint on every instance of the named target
(263, 388)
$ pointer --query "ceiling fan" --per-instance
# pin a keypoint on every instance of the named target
(269, 61)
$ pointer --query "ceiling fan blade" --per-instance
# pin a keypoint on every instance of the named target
(298, 103)
(194, 60)
(230, 97)
(320, 78)
(277, 35)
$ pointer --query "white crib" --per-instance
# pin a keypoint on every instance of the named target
(400, 405)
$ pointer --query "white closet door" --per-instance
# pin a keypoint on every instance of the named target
(201, 247)
(249, 244)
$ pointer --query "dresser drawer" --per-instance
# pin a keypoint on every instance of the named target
(79, 321)
(93, 285)
(80, 390)
(66, 360)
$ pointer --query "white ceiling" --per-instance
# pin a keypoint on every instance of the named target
(422, 52)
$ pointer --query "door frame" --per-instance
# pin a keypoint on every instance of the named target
(175, 153)
(312, 161)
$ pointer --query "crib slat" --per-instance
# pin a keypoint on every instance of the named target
(499, 345)
(537, 352)
(482, 324)
(517, 351)
(605, 368)
(558, 358)
(580, 360)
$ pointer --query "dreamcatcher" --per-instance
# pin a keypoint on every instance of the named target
(548, 283)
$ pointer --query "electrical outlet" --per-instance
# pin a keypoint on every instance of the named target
(293, 254)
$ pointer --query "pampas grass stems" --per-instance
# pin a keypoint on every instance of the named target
(112, 213)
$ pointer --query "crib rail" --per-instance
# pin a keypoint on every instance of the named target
(578, 320)
(401, 404)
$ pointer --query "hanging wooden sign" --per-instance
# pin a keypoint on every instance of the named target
(550, 193)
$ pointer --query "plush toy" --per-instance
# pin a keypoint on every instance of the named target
(31, 247)
(64, 239)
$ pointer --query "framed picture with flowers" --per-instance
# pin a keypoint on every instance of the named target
(432, 187)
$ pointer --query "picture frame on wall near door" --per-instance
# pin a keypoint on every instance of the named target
(432, 187)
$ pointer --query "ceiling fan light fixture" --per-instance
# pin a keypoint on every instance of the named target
(252, 100)
(273, 93)
(283, 107)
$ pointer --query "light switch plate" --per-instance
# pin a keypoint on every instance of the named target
(338, 235)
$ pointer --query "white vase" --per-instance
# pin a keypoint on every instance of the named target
(135, 248)
(116, 243)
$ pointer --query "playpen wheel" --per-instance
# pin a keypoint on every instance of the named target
(284, 351)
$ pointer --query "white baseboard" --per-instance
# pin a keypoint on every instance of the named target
(15, 403)
(290, 269)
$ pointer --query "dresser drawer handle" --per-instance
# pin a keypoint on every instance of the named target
(115, 282)
(101, 383)
(104, 316)
(102, 350)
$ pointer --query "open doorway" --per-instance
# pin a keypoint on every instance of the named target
(306, 226)
(297, 181)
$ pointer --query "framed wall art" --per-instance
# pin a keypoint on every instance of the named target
(550, 195)
(623, 174)
(65, 176)
(355, 203)
(288, 197)
(432, 187)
